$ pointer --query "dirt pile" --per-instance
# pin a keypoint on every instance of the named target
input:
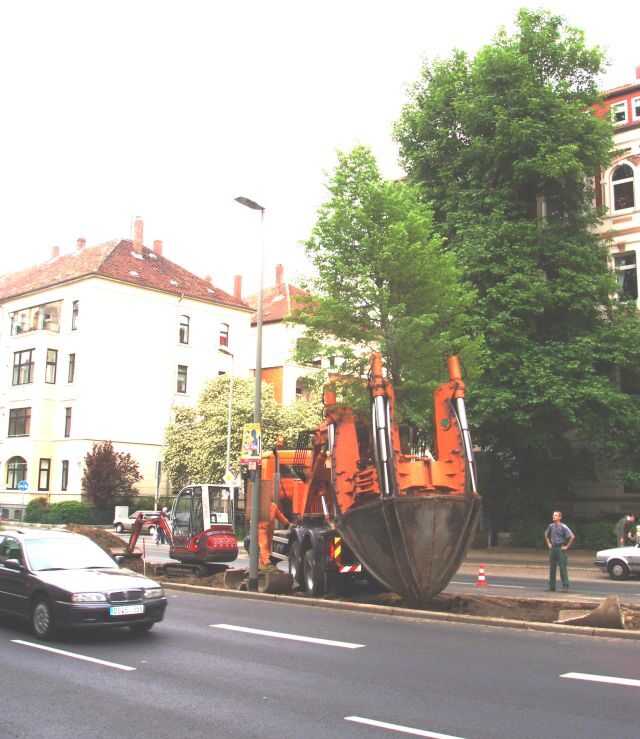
(518, 609)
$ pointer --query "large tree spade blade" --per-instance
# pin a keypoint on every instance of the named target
(413, 545)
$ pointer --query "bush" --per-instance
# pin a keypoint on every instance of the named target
(527, 535)
(37, 511)
(596, 536)
(71, 511)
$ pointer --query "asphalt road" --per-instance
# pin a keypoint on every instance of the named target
(200, 673)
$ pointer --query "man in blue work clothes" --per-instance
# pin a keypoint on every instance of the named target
(559, 538)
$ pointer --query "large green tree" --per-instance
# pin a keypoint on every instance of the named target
(196, 442)
(504, 144)
(384, 283)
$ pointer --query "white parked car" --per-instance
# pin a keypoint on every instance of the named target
(125, 523)
(619, 562)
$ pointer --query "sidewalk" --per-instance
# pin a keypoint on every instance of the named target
(515, 557)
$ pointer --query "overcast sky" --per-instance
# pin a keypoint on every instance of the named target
(170, 109)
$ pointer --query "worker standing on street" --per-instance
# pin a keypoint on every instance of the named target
(624, 530)
(265, 532)
(559, 538)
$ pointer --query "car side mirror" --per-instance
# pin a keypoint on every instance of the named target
(13, 564)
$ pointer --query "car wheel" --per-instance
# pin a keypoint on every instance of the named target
(119, 528)
(141, 628)
(152, 531)
(618, 570)
(42, 622)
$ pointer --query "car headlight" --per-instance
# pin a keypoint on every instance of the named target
(153, 593)
(88, 598)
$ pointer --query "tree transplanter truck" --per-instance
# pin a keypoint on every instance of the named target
(358, 502)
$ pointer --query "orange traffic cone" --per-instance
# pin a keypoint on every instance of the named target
(481, 579)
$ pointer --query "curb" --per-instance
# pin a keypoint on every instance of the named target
(409, 613)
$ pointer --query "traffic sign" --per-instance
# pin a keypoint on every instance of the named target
(229, 477)
(23, 486)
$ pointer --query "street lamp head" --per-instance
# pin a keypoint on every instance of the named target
(248, 203)
(222, 350)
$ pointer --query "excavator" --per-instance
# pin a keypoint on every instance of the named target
(360, 503)
(199, 530)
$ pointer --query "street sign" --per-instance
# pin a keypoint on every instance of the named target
(229, 477)
(23, 486)
(251, 443)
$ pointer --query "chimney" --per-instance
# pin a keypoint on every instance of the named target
(279, 275)
(207, 278)
(55, 252)
(157, 247)
(237, 287)
(137, 234)
(81, 243)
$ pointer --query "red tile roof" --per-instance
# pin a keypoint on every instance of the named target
(115, 260)
(277, 302)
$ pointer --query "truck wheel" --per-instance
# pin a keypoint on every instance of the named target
(313, 575)
(618, 570)
(295, 565)
(119, 528)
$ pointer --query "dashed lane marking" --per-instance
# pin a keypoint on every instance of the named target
(399, 728)
(602, 679)
(490, 585)
(292, 637)
(74, 655)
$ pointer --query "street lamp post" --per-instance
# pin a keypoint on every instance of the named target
(222, 350)
(255, 475)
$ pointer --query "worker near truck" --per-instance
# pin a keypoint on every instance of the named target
(559, 538)
(265, 532)
(624, 530)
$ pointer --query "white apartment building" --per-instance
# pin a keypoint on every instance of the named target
(100, 345)
(618, 187)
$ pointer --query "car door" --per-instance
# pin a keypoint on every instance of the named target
(14, 583)
(633, 558)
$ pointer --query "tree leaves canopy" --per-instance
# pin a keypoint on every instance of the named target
(384, 283)
(504, 145)
(109, 474)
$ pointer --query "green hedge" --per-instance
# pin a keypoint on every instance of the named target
(592, 536)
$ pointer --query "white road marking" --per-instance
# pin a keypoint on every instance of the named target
(293, 637)
(398, 727)
(602, 679)
(489, 585)
(75, 656)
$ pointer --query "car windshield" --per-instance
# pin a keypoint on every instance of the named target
(66, 554)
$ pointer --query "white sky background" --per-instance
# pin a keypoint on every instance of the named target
(170, 109)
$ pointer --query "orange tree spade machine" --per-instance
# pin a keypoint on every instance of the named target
(199, 529)
(358, 501)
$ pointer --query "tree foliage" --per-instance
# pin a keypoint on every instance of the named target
(505, 144)
(384, 283)
(196, 442)
(109, 474)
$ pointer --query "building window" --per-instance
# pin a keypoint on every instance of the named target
(52, 364)
(43, 474)
(74, 314)
(182, 379)
(19, 422)
(64, 482)
(67, 422)
(36, 317)
(23, 367)
(622, 180)
(619, 112)
(635, 108)
(183, 332)
(224, 334)
(627, 276)
(72, 368)
(16, 472)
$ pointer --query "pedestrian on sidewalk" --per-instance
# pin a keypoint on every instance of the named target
(625, 530)
(559, 538)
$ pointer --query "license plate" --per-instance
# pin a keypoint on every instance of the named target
(125, 610)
